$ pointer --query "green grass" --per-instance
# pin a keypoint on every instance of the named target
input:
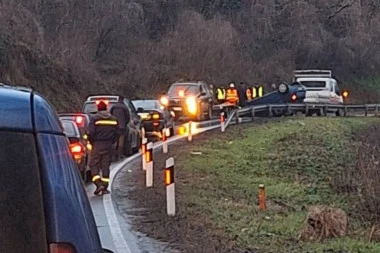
(295, 159)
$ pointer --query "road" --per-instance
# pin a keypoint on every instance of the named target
(115, 230)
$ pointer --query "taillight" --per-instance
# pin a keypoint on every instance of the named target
(61, 248)
(79, 120)
(293, 98)
(156, 116)
(77, 150)
(98, 102)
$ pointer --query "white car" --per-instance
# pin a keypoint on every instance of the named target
(321, 88)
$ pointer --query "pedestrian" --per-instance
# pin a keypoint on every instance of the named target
(242, 95)
(121, 112)
(103, 133)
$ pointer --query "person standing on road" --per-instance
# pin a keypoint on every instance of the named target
(121, 112)
(103, 133)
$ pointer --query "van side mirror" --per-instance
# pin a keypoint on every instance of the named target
(203, 93)
(140, 109)
(107, 251)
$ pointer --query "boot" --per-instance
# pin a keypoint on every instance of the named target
(99, 187)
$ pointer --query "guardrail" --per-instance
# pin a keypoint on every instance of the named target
(290, 108)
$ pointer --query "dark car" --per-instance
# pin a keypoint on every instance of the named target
(133, 137)
(294, 93)
(191, 100)
(44, 206)
(154, 116)
(79, 147)
(82, 120)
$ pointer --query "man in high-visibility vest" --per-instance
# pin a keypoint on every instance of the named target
(232, 94)
(103, 133)
(221, 95)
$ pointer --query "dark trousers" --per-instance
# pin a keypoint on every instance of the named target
(100, 161)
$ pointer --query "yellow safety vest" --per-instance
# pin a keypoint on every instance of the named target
(254, 92)
(261, 91)
(221, 94)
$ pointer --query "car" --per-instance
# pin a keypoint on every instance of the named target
(79, 147)
(44, 206)
(321, 88)
(82, 120)
(155, 117)
(133, 137)
(190, 100)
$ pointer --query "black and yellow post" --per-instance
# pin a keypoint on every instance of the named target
(170, 186)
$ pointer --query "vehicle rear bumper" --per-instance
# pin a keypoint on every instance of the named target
(153, 126)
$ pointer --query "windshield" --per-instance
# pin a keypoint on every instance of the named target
(91, 108)
(146, 104)
(313, 84)
(188, 89)
(69, 128)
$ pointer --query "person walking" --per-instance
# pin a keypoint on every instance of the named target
(103, 133)
(121, 112)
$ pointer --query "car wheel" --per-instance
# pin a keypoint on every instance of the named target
(137, 148)
(171, 131)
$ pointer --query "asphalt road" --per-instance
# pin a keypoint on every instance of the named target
(115, 230)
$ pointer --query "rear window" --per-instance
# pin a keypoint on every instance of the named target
(69, 128)
(313, 84)
(187, 89)
(22, 224)
(146, 104)
(91, 108)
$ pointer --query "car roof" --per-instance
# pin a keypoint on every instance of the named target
(187, 83)
(26, 110)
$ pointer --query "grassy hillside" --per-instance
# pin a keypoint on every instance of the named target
(136, 46)
(303, 162)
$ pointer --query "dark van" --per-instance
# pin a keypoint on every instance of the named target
(44, 207)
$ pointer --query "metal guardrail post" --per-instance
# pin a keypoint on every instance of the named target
(270, 111)
(307, 110)
(376, 110)
(253, 113)
(366, 111)
(345, 111)
(289, 109)
(237, 117)
(325, 110)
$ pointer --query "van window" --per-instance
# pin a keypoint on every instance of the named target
(313, 84)
(22, 224)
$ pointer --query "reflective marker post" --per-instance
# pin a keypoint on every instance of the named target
(164, 142)
(170, 186)
(262, 200)
(222, 122)
(143, 152)
(190, 135)
(149, 165)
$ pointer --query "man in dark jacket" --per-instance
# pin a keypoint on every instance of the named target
(121, 112)
(103, 133)
(242, 94)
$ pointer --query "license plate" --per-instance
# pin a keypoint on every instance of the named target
(177, 108)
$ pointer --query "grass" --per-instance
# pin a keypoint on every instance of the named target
(296, 160)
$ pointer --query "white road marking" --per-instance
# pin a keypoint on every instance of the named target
(112, 220)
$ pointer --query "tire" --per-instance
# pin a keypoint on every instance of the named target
(127, 146)
(137, 148)
(171, 131)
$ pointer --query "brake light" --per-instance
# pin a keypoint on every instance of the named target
(293, 98)
(156, 116)
(79, 119)
(76, 148)
(61, 248)
(97, 102)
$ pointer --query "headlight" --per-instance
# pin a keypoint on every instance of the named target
(164, 101)
(283, 88)
(191, 104)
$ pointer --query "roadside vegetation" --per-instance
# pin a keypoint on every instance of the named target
(302, 163)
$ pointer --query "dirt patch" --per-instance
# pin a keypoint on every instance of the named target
(190, 230)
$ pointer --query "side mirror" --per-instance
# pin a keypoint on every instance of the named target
(107, 251)
(140, 109)
(203, 93)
